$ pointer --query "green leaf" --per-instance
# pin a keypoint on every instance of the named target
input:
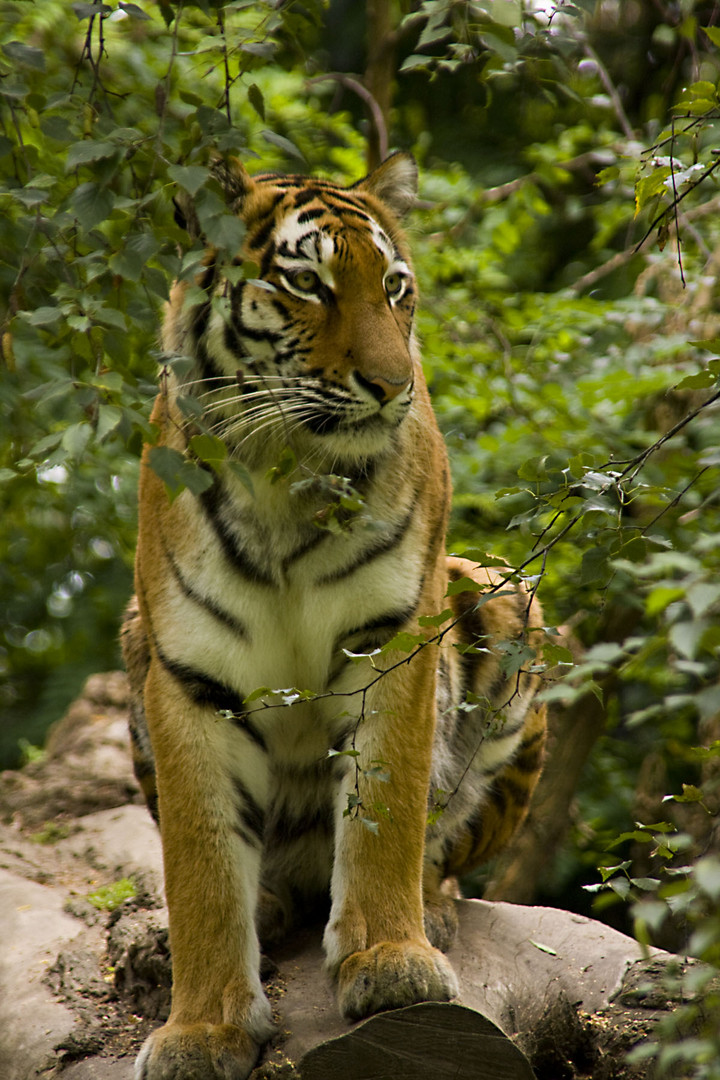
(699, 381)
(404, 642)
(556, 654)
(707, 876)
(109, 416)
(284, 144)
(189, 177)
(89, 11)
(256, 100)
(691, 794)
(130, 261)
(92, 204)
(436, 620)
(242, 474)
(87, 152)
(687, 636)
(43, 316)
(209, 449)
(543, 948)
(133, 10)
(464, 585)
(650, 187)
(45, 445)
(177, 472)
(76, 438)
(27, 55)
(415, 62)
(260, 692)
(661, 597)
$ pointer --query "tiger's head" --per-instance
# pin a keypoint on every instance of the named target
(317, 351)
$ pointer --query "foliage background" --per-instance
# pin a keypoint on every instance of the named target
(567, 246)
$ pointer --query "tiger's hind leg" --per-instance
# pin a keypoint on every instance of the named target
(136, 655)
(489, 741)
(491, 828)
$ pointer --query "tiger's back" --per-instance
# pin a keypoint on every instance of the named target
(286, 750)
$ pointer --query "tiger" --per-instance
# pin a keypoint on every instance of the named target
(299, 756)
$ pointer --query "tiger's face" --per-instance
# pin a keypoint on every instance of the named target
(316, 352)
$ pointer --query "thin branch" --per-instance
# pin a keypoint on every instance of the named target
(674, 502)
(659, 218)
(621, 257)
(611, 90)
(349, 82)
(675, 206)
(226, 64)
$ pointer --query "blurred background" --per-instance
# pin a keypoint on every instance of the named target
(567, 247)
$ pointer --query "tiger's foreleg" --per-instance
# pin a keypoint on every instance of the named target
(211, 827)
(375, 940)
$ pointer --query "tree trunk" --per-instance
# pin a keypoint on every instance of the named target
(379, 75)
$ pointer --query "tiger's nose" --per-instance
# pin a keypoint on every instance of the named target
(383, 390)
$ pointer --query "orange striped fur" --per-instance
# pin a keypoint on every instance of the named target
(283, 754)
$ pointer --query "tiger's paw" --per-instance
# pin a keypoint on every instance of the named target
(201, 1051)
(441, 921)
(273, 918)
(392, 974)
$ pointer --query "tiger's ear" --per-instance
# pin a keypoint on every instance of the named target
(235, 182)
(395, 182)
(233, 178)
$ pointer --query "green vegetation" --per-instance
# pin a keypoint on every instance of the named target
(567, 245)
(51, 832)
(109, 897)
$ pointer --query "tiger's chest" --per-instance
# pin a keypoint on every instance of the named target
(259, 598)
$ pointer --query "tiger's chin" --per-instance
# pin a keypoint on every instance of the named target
(359, 440)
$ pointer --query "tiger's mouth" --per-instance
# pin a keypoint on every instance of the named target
(331, 423)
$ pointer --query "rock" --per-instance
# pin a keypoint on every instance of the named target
(85, 974)
(86, 765)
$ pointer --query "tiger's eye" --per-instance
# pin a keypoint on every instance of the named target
(393, 284)
(305, 280)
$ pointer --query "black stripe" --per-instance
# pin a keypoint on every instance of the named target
(255, 335)
(498, 798)
(306, 195)
(527, 759)
(388, 622)
(201, 688)
(233, 342)
(206, 602)
(212, 376)
(311, 214)
(251, 813)
(201, 313)
(143, 768)
(438, 533)
(209, 692)
(212, 502)
(263, 228)
(519, 796)
(286, 828)
(373, 550)
(267, 259)
(244, 723)
(348, 210)
(315, 540)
